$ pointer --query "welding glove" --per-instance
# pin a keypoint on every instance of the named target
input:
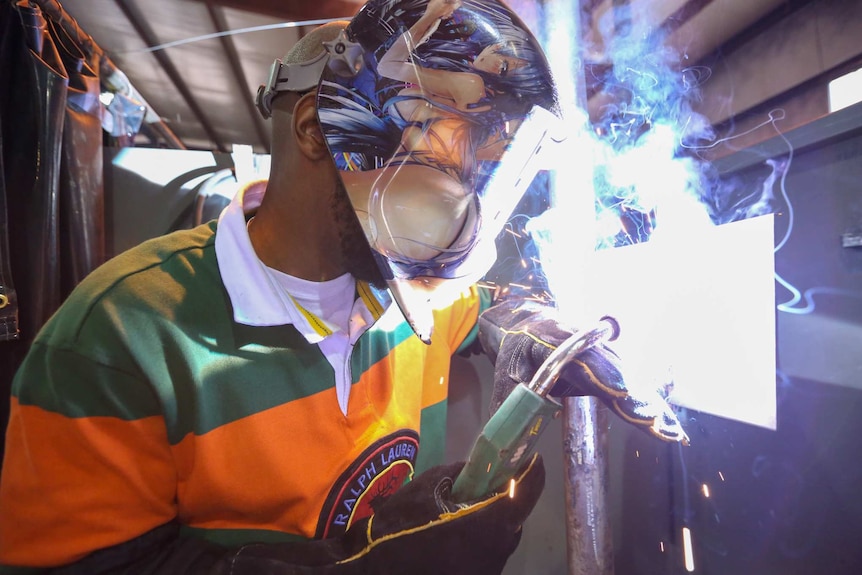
(418, 530)
(520, 335)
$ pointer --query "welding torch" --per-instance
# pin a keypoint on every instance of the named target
(510, 436)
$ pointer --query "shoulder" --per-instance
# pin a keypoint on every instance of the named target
(458, 322)
(148, 278)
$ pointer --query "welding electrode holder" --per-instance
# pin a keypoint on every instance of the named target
(509, 438)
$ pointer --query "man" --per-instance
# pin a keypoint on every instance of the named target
(242, 397)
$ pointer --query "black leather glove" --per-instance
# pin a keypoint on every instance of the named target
(418, 530)
(520, 335)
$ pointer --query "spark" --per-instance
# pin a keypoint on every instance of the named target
(488, 470)
(661, 546)
(512, 488)
(535, 298)
(706, 490)
(721, 475)
(687, 550)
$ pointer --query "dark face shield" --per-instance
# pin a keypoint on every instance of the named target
(434, 112)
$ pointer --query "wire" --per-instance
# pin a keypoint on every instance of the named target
(231, 33)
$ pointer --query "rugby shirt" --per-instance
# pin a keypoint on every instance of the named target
(142, 400)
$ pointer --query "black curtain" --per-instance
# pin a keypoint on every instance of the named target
(51, 177)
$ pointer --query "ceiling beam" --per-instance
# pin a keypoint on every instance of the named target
(146, 33)
(295, 10)
(682, 15)
(220, 24)
(596, 73)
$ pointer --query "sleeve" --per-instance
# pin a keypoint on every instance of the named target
(85, 444)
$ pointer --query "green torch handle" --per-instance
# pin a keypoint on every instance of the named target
(510, 436)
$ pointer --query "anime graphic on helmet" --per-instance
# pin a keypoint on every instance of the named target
(417, 131)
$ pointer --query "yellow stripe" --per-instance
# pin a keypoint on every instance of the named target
(368, 298)
(317, 324)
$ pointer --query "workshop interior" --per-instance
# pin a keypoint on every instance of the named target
(717, 147)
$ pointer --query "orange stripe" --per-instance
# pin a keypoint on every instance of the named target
(109, 480)
(272, 470)
(267, 471)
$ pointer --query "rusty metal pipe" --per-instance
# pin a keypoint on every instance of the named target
(589, 543)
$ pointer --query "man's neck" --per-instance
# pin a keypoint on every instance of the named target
(293, 232)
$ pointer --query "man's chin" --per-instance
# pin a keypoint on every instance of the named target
(368, 273)
(354, 245)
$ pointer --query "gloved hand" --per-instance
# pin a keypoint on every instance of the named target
(418, 530)
(520, 335)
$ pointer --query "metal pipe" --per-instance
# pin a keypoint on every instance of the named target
(588, 526)
(589, 540)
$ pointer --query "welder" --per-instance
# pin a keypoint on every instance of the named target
(266, 393)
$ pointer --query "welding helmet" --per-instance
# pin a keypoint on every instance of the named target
(434, 112)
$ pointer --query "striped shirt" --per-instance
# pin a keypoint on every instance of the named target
(144, 400)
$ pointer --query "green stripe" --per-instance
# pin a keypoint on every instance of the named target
(233, 538)
(432, 436)
(163, 342)
(8, 570)
(110, 392)
(375, 345)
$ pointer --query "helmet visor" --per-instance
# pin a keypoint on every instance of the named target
(423, 104)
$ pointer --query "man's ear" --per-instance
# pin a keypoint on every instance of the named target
(306, 128)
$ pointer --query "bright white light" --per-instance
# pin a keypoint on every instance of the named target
(697, 308)
(686, 546)
(163, 166)
(243, 161)
(845, 91)
(706, 490)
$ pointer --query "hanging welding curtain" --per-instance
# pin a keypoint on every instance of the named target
(51, 181)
